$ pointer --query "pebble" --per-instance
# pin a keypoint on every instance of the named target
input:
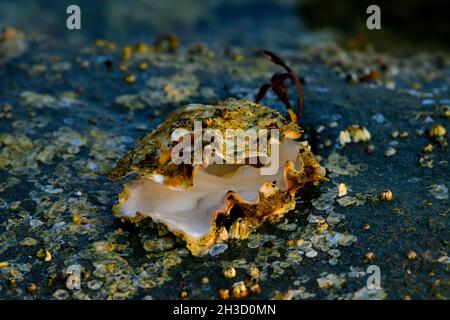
(334, 253)
(28, 242)
(439, 191)
(378, 118)
(346, 240)
(53, 190)
(389, 152)
(92, 166)
(94, 284)
(34, 223)
(311, 254)
(428, 102)
(370, 149)
(218, 249)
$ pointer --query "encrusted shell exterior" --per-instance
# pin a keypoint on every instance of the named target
(153, 150)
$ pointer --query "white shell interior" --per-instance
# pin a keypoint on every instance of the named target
(192, 211)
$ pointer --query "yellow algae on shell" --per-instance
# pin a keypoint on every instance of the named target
(188, 198)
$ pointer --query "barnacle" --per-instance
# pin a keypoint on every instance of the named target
(354, 133)
(437, 131)
(202, 202)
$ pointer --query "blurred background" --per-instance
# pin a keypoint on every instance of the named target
(406, 24)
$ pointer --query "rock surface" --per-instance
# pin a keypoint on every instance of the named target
(61, 130)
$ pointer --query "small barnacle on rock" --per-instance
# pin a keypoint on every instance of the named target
(386, 195)
(254, 272)
(437, 131)
(428, 148)
(445, 112)
(126, 53)
(344, 137)
(342, 189)
(143, 65)
(130, 78)
(369, 256)
(167, 42)
(239, 290)
(395, 134)
(411, 255)
(370, 149)
(141, 48)
(426, 161)
(255, 289)
(229, 272)
(354, 133)
(44, 254)
(204, 281)
(32, 287)
(6, 112)
(224, 294)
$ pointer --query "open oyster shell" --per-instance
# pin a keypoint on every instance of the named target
(189, 198)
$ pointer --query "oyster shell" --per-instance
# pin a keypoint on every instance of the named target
(189, 198)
